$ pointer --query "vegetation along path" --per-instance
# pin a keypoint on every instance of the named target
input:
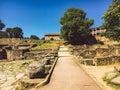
(68, 75)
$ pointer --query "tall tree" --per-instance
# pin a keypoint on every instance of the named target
(75, 27)
(15, 32)
(34, 37)
(9, 32)
(2, 25)
(18, 33)
(112, 20)
(3, 34)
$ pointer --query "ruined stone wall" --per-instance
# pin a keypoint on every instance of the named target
(98, 61)
(16, 41)
(3, 54)
(38, 53)
(16, 54)
(15, 48)
(88, 54)
(9, 40)
(99, 55)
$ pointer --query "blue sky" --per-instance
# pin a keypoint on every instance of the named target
(39, 17)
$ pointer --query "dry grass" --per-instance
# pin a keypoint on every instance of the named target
(46, 45)
(107, 41)
(10, 71)
(14, 67)
(98, 73)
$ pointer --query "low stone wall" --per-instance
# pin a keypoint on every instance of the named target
(17, 41)
(26, 46)
(38, 53)
(3, 45)
(98, 61)
(88, 54)
(3, 54)
(16, 54)
(87, 62)
(100, 54)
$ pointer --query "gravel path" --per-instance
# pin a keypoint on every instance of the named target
(67, 75)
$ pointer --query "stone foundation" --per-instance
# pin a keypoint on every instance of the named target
(97, 55)
(38, 53)
(16, 54)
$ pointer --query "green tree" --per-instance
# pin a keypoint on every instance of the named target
(15, 32)
(9, 32)
(112, 20)
(34, 37)
(75, 27)
(3, 34)
(2, 25)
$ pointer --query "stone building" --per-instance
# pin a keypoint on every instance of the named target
(52, 36)
(96, 31)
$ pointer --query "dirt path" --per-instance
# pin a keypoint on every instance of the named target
(67, 75)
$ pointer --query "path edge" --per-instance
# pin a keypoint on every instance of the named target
(47, 79)
(97, 83)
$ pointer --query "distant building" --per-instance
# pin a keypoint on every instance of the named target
(52, 36)
(96, 31)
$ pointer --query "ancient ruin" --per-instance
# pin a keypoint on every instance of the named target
(98, 54)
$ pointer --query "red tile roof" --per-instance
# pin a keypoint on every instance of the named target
(52, 34)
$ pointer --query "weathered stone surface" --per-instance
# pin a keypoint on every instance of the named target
(54, 53)
(56, 48)
(16, 54)
(88, 54)
(36, 70)
(20, 75)
(46, 61)
(3, 54)
(26, 46)
(38, 53)
(117, 68)
(87, 61)
(116, 80)
(111, 75)
(106, 60)
(101, 61)
(47, 68)
(101, 54)
(26, 83)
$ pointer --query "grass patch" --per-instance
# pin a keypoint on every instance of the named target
(14, 67)
(46, 45)
(108, 81)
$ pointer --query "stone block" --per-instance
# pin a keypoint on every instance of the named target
(87, 61)
(36, 70)
(116, 80)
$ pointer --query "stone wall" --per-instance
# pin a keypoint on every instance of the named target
(99, 54)
(38, 53)
(17, 54)
(15, 48)
(98, 61)
(17, 41)
(3, 54)
(88, 54)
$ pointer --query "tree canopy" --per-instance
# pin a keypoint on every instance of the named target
(15, 32)
(34, 37)
(75, 27)
(3, 34)
(112, 20)
(2, 25)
